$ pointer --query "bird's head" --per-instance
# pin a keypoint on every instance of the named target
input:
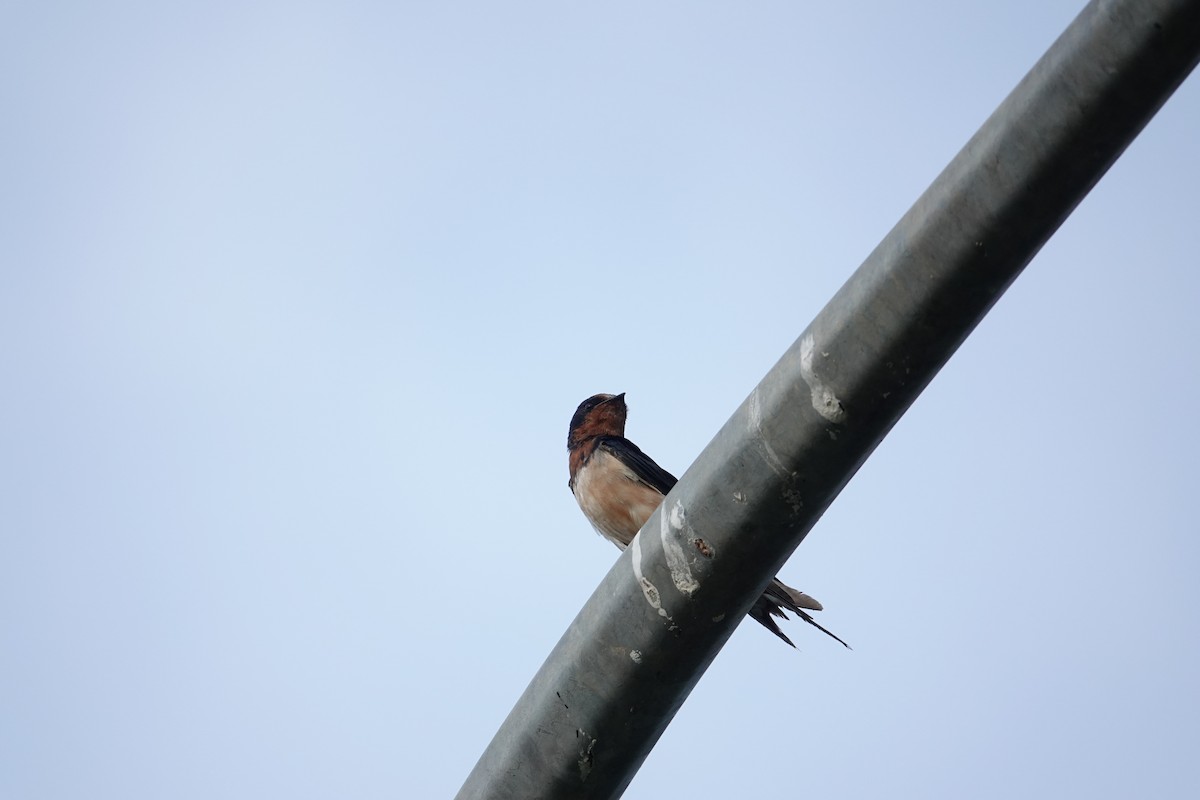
(599, 415)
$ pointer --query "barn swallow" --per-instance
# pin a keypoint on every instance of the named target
(618, 487)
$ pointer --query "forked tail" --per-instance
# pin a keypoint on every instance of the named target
(778, 598)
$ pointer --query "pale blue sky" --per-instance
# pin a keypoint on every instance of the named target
(297, 299)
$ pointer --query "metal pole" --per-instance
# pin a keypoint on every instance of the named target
(612, 684)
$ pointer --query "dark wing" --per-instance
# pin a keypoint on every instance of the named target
(642, 465)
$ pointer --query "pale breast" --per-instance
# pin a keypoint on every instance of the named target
(613, 499)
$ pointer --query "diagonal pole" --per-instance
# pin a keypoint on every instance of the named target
(625, 665)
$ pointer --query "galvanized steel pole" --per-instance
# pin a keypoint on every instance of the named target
(612, 684)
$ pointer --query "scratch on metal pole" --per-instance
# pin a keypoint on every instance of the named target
(585, 754)
(673, 528)
(772, 458)
(648, 588)
(824, 400)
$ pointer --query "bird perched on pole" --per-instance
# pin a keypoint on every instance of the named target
(618, 487)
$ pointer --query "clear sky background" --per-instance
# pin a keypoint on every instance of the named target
(297, 299)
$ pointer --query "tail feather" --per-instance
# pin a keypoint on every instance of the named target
(778, 597)
(801, 599)
(761, 612)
